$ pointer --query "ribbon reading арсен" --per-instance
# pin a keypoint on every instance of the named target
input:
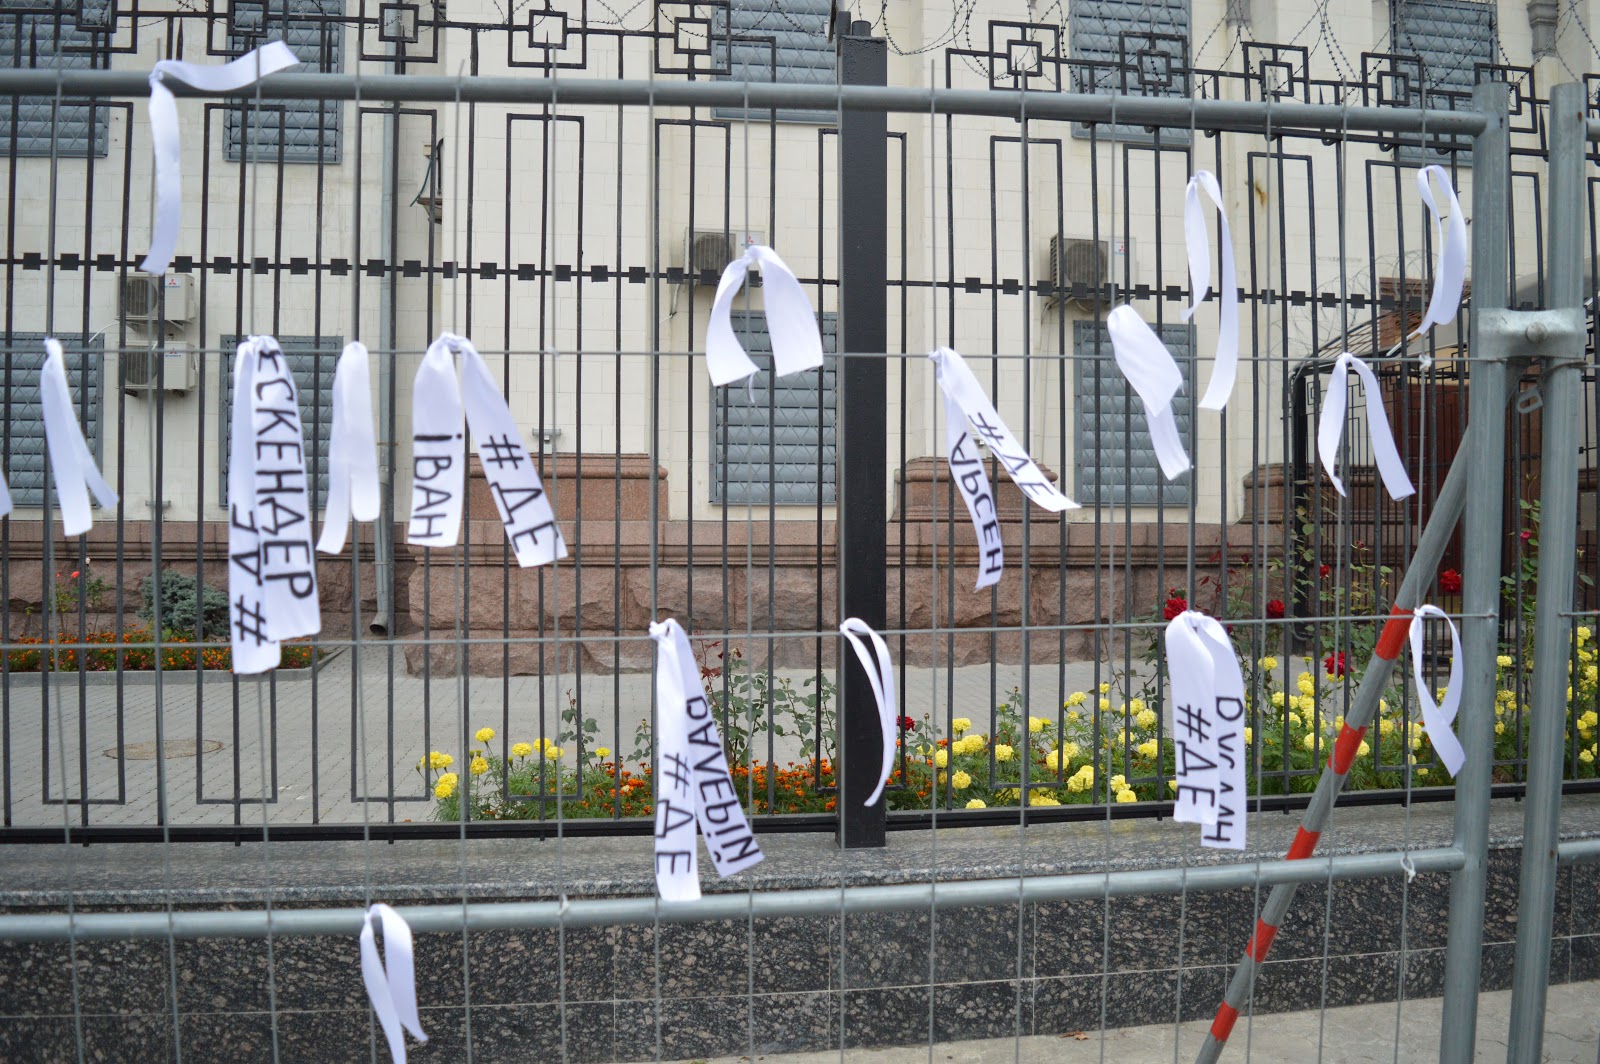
(352, 451)
(391, 982)
(71, 463)
(693, 785)
(1207, 729)
(272, 573)
(964, 400)
(791, 323)
(439, 457)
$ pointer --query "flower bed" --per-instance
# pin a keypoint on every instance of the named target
(131, 651)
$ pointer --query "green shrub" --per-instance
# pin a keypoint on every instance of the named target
(179, 608)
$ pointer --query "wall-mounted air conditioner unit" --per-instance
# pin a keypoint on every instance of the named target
(176, 362)
(713, 249)
(142, 299)
(1082, 261)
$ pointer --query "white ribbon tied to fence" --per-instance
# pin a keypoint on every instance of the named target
(352, 451)
(1450, 233)
(693, 785)
(1330, 428)
(1154, 375)
(791, 323)
(1207, 729)
(439, 457)
(71, 463)
(272, 574)
(166, 144)
(880, 675)
(1226, 367)
(964, 400)
(1439, 719)
(391, 981)
(5, 496)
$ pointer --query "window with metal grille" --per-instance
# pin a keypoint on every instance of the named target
(312, 360)
(24, 415)
(307, 130)
(1116, 464)
(1136, 47)
(1450, 38)
(777, 447)
(38, 34)
(785, 42)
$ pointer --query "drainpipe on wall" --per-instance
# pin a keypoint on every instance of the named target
(383, 536)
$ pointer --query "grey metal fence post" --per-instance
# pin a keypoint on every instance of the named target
(1558, 518)
(1481, 534)
(863, 421)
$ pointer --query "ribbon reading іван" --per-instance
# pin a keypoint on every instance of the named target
(1207, 729)
(1150, 369)
(791, 323)
(880, 675)
(964, 401)
(1450, 269)
(392, 981)
(1199, 248)
(164, 142)
(693, 785)
(71, 463)
(272, 574)
(1330, 428)
(1439, 720)
(352, 451)
(439, 457)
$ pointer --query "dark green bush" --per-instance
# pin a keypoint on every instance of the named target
(179, 607)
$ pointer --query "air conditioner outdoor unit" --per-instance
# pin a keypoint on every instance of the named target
(141, 299)
(176, 361)
(1081, 261)
(713, 249)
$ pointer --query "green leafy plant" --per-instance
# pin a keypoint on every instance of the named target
(185, 605)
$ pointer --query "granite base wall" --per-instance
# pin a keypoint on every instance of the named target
(767, 986)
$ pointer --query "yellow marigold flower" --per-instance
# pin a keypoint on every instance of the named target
(478, 767)
(1072, 715)
(521, 749)
(1591, 675)
(1268, 663)
(1416, 740)
(1105, 688)
(960, 725)
(1172, 785)
(1294, 719)
(1499, 727)
(1277, 700)
(960, 781)
(977, 803)
(1070, 751)
(1052, 761)
(1105, 705)
(1310, 741)
(1338, 722)
(941, 777)
(1249, 735)
(1002, 752)
(1037, 724)
(484, 735)
(1386, 728)
(1308, 705)
(1586, 757)
(1087, 772)
(552, 752)
(1077, 784)
(941, 758)
(1590, 719)
(602, 751)
(1146, 718)
(1010, 794)
(436, 760)
(1504, 661)
(446, 785)
(1136, 706)
(1076, 698)
(1422, 772)
(1041, 798)
(1363, 750)
(1148, 748)
(1305, 683)
(1127, 795)
(1584, 635)
(1119, 780)
(975, 743)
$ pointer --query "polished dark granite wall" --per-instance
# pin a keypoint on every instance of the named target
(634, 993)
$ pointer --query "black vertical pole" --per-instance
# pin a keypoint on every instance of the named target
(863, 419)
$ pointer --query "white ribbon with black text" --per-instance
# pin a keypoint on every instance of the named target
(71, 463)
(879, 668)
(272, 575)
(1439, 719)
(693, 785)
(352, 451)
(1154, 375)
(964, 401)
(791, 323)
(391, 981)
(439, 457)
(1207, 729)
(168, 148)
(1198, 247)
(1450, 267)
(1330, 428)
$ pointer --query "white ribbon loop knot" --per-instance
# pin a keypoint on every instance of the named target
(1151, 371)
(1198, 247)
(1439, 719)
(693, 784)
(71, 463)
(1208, 712)
(1330, 428)
(439, 457)
(879, 668)
(352, 451)
(391, 982)
(164, 140)
(1450, 268)
(791, 323)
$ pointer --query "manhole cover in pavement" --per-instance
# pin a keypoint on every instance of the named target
(173, 748)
